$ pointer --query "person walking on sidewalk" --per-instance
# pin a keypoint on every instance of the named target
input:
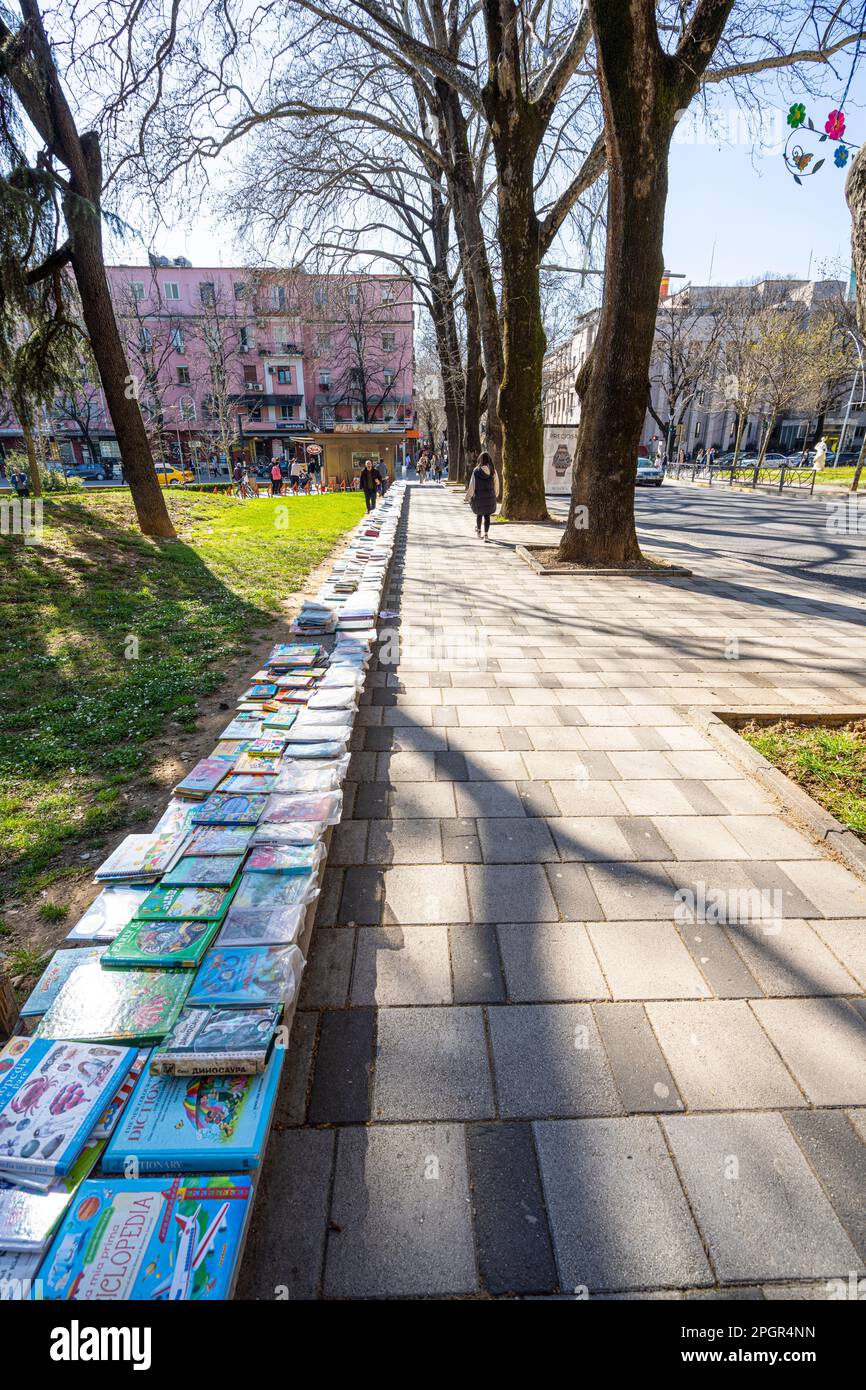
(369, 484)
(483, 492)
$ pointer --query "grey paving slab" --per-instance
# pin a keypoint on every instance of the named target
(788, 958)
(341, 1080)
(632, 891)
(285, 1247)
(643, 840)
(722, 967)
(291, 1104)
(487, 799)
(699, 837)
(823, 1041)
(402, 965)
(759, 1207)
(617, 1211)
(646, 960)
(348, 843)
(404, 842)
(476, 968)
(653, 798)
(371, 800)
(362, 898)
(515, 1254)
(431, 1063)
(837, 1156)
(847, 940)
(549, 1061)
(589, 839)
(719, 1057)
(400, 1214)
(424, 893)
(834, 890)
(574, 891)
(412, 800)
(325, 981)
(587, 798)
(510, 893)
(510, 840)
(547, 962)
(640, 1071)
(537, 799)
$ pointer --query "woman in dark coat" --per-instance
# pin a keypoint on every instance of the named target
(482, 492)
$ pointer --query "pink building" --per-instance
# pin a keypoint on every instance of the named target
(259, 360)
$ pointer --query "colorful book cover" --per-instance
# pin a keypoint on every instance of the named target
(332, 748)
(320, 806)
(282, 719)
(275, 890)
(219, 839)
(51, 1095)
(200, 1123)
(266, 747)
(248, 975)
(285, 859)
(128, 1006)
(231, 748)
(242, 728)
(145, 1239)
(294, 654)
(291, 832)
(310, 776)
(250, 927)
(194, 904)
(218, 1042)
(260, 692)
(28, 1219)
(259, 765)
(204, 778)
(141, 856)
(230, 810)
(18, 1270)
(246, 782)
(168, 945)
(104, 1128)
(175, 819)
(56, 973)
(209, 871)
(109, 913)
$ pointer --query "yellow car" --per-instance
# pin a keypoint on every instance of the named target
(170, 476)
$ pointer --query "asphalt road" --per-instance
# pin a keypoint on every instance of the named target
(792, 536)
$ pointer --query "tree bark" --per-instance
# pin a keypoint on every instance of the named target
(32, 461)
(855, 192)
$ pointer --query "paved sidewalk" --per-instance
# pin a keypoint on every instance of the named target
(518, 1067)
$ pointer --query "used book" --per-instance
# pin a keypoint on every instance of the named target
(218, 1042)
(128, 1006)
(194, 904)
(141, 857)
(55, 974)
(246, 975)
(204, 778)
(218, 839)
(251, 927)
(165, 945)
(221, 809)
(108, 914)
(203, 871)
(27, 1219)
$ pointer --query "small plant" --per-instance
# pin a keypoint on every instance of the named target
(27, 962)
(53, 912)
(53, 480)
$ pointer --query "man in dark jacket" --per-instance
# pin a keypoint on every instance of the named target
(369, 481)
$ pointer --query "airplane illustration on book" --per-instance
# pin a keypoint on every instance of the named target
(190, 1254)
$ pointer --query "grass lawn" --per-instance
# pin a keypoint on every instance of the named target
(109, 641)
(828, 762)
(842, 477)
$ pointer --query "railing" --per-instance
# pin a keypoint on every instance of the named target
(747, 474)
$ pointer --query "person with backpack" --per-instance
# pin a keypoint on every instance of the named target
(483, 492)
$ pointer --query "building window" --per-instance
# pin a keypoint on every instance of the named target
(240, 289)
(251, 376)
(207, 291)
(388, 294)
(287, 412)
(284, 376)
(183, 376)
(136, 288)
(171, 290)
(320, 296)
(700, 397)
(256, 413)
(390, 413)
(244, 340)
(278, 295)
(698, 430)
(353, 294)
(145, 338)
(187, 409)
(389, 379)
(324, 343)
(177, 340)
(356, 377)
(388, 342)
(358, 414)
(327, 417)
(324, 379)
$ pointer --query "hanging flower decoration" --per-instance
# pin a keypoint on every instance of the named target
(800, 161)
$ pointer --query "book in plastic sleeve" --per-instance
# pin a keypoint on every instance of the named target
(125, 1006)
(55, 974)
(218, 1042)
(245, 975)
(162, 945)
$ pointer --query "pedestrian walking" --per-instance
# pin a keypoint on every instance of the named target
(483, 492)
(296, 470)
(370, 483)
(276, 478)
(711, 455)
(436, 464)
(20, 482)
(699, 457)
(422, 468)
(238, 478)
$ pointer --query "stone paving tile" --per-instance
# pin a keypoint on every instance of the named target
(837, 1155)
(588, 798)
(371, 800)
(787, 958)
(325, 981)
(328, 901)
(769, 837)
(720, 1058)
(393, 768)
(757, 1203)
(285, 1248)
(823, 1041)
(834, 890)
(537, 799)
(413, 800)
(488, 799)
(646, 960)
(548, 962)
(585, 839)
(719, 963)
(699, 837)
(348, 843)
(362, 898)
(515, 1254)
(515, 841)
(640, 1071)
(574, 892)
(404, 842)
(402, 965)
(509, 892)
(431, 1063)
(291, 1104)
(632, 891)
(400, 1214)
(643, 766)
(341, 1081)
(548, 1060)
(847, 941)
(653, 798)
(617, 1211)
(741, 798)
(426, 893)
(643, 839)
(700, 798)
(476, 969)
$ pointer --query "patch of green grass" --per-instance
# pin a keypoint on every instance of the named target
(109, 639)
(53, 912)
(27, 962)
(829, 762)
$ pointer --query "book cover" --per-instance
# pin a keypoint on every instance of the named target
(167, 945)
(192, 1124)
(267, 747)
(128, 1006)
(242, 728)
(245, 782)
(266, 890)
(194, 904)
(263, 691)
(332, 748)
(109, 913)
(259, 765)
(292, 832)
(218, 1042)
(285, 859)
(204, 778)
(319, 806)
(17, 1275)
(209, 871)
(281, 926)
(282, 719)
(219, 839)
(141, 856)
(55, 974)
(247, 975)
(28, 1219)
(51, 1095)
(104, 1126)
(144, 1239)
(229, 810)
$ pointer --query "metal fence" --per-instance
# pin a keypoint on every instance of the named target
(779, 476)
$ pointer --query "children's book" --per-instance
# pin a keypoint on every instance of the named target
(263, 691)
(295, 682)
(311, 731)
(194, 904)
(218, 1042)
(285, 859)
(247, 975)
(175, 819)
(104, 1127)
(275, 890)
(311, 776)
(168, 945)
(231, 747)
(220, 809)
(284, 718)
(219, 839)
(144, 1239)
(58, 970)
(242, 728)
(292, 832)
(108, 914)
(28, 1219)
(294, 654)
(250, 927)
(51, 1095)
(321, 806)
(196, 1123)
(126, 1006)
(204, 778)
(266, 747)
(17, 1275)
(140, 857)
(330, 748)
(245, 782)
(203, 871)
(258, 765)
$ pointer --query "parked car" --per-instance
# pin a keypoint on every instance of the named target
(650, 473)
(171, 476)
(88, 472)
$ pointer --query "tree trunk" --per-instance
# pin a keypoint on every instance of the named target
(32, 461)
(473, 378)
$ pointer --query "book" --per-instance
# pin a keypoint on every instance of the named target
(219, 839)
(175, 819)
(229, 810)
(196, 1123)
(104, 1126)
(18, 1270)
(282, 719)
(51, 1095)
(204, 778)
(320, 806)
(332, 748)
(242, 728)
(293, 832)
(266, 747)
(246, 782)
(128, 1006)
(141, 857)
(311, 731)
(167, 945)
(218, 1042)
(203, 871)
(263, 691)
(109, 913)
(285, 859)
(294, 654)
(55, 974)
(194, 904)
(245, 975)
(281, 926)
(27, 1219)
(310, 776)
(145, 1239)
(258, 765)
(275, 890)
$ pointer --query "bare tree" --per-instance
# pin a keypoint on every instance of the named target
(686, 351)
